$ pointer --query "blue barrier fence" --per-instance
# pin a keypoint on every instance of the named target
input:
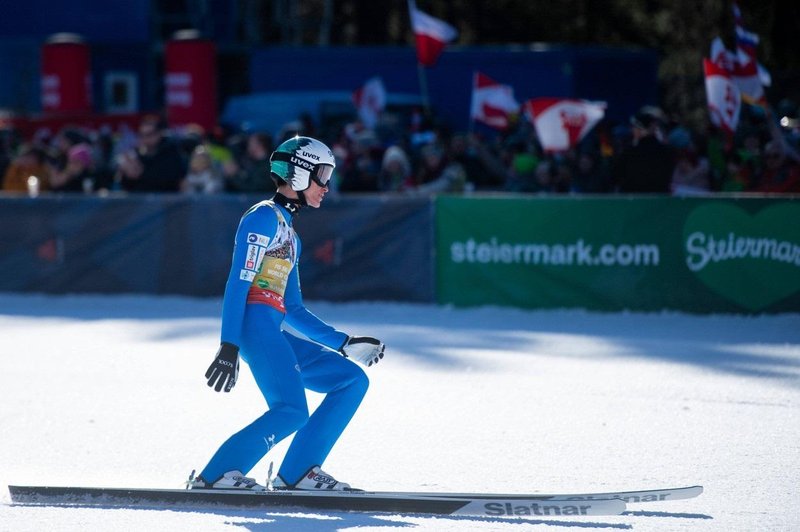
(370, 248)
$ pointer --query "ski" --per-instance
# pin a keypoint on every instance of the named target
(630, 497)
(354, 501)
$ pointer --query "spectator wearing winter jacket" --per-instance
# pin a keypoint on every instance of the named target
(647, 166)
(156, 165)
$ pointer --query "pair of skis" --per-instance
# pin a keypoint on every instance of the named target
(471, 504)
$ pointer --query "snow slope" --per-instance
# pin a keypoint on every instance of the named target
(110, 391)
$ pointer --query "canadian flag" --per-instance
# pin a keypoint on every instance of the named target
(370, 101)
(431, 35)
(561, 123)
(492, 103)
(724, 98)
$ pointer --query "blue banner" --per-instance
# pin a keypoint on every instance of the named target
(353, 248)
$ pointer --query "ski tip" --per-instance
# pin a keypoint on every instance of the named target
(687, 492)
(673, 494)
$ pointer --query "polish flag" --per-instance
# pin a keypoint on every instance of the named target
(724, 98)
(370, 101)
(431, 35)
(561, 123)
(492, 103)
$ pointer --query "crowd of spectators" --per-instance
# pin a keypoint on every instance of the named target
(651, 153)
(150, 159)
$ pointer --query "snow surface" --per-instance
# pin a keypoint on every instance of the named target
(109, 391)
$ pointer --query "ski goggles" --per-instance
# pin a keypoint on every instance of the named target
(319, 173)
(322, 174)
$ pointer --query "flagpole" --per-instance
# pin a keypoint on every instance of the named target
(423, 87)
(471, 127)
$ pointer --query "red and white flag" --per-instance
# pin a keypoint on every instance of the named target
(721, 56)
(492, 103)
(370, 101)
(724, 98)
(431, 35)
(749, 76)
(561, 123)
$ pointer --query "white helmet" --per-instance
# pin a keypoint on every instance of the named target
(300, 160)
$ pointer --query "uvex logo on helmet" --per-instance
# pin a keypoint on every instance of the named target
(309, 155)
(302, 162)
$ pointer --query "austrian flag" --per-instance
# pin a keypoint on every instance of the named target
(561, 123)
(724, 98)
(431, 35)
(370, 101)
(744, 70)
(492, 103)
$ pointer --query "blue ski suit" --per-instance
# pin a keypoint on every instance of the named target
(262, 294)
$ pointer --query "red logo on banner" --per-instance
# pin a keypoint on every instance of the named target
(329, 252)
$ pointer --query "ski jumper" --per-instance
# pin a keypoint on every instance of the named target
(263, 293)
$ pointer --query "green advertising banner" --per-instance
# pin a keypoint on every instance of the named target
(709, 254)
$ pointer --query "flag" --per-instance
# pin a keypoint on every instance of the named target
(370, 101)
(757, 77)
(721, 56)
(431, 35)
(745, 71)
(561, 123)
(492, 103)
(724, 98)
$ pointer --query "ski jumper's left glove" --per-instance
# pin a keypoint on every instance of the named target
(225, 368)
(363, 349)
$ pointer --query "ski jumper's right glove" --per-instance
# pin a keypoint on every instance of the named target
(225, 368)
(363, 349)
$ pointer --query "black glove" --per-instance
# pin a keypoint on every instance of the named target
(363, 349)
(224, 368)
